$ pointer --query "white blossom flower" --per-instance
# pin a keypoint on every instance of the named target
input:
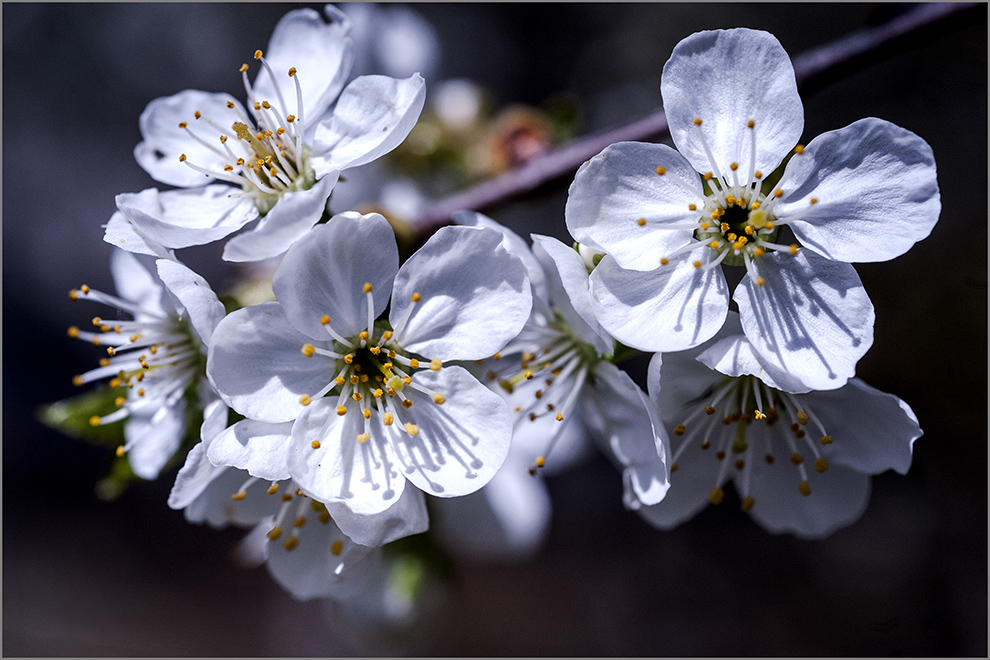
(373, 403)
(559, 382)
(312, 549)
(278, 160)
(801, 463)
(866, 192)
(160, 355)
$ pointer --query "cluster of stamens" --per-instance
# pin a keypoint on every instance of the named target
(296, 505)
(736, 404)
(269, 157)
(735, 216)
(371, 374)
(553, 367)
(156, 358)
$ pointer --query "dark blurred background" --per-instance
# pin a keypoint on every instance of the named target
(132, 578)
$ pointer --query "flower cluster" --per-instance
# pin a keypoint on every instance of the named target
(375, 397)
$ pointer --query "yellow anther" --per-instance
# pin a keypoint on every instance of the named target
(412, 429)
(274, 533)
(197, 114)
(273, 489)
(436, 364)
(759, 252)
(758, 174)
(716, 495)
(697, 121)
(664, 261)
(363, 438)
(559, 417)
(308, 350)
(730, 200)
(349, 359)
(714, 216)
(724, 227)
(387, 419)
(750, 230)
(820, 464)
(731, 236)
(804, 488)
(363, 335)
(708, 176)
(315, 444)
(280, 131)
(714, 244)
(182, 158)
(267, 106)
(768, 226)
(799, 149)
(416, 297)
(84, 289)
(680, 429)
(183, 124)
(733, 167)
(94, 420)
(814, 200)
(77, 380)
(73, 332)
(826, 439)
(692, 207)
(292, 72)
(750, 124)
(661, 170)
(796, 458)
(794, 248)
(697, 264)
(337, 546)
(802, 417)
(756, 413)
(528, 375)
(257, 54)
(299, 522)
(291, 543)
(238, 496)
(673, 467)
(710, 410)
(407, 403)
(367, 287)
(760, 282)
(115, 383)
(119, 451)
(324, 517)
(747, 504)
(286, 497)
(740, 464)
(357, 396)
(778, 193)
(325, 320)
(141, 392)
(378, 393)
(406, 380)
(228, 168)
(414, 363)
(119, 401)
(341, 410)
(641, 222)
(738, 245)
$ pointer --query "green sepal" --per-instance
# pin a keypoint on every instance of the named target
(118, 478)
(71, 416)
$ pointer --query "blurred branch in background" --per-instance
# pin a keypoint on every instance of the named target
(812, 68)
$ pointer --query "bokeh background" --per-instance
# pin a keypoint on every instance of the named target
(132, 578)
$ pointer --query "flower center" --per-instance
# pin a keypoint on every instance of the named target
(732, 407)
(372, 372)
(265, 156)
(156, 357)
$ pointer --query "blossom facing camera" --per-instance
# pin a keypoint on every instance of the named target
(280, 158)
(372, 400)
(669, 218)
(157, 359)
(800, 462)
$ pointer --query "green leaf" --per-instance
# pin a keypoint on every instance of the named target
(72, 416)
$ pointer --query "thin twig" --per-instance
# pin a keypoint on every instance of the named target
(808, 66)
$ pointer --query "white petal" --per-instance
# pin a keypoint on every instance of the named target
(203, 307)
(475, 296)
(256, 364)
(326, 274)
(312, 570)
(691, 484)
(373, 116)
(164, 141)
(363, 476)
(569, 290)
(155, 438)
(181, 218)
(507, 520)
(633, 433)
(736, 356)
(812, 317)
(293, 215)
(321, 53)
(873, 431)
(838, 498)
(460, 444)
(194, 476)
(407, 516)
(512, 242)
(259, 448)
(217, 507)
(726, 78)
(124, 235)
(135, 281)
(672, 308)
(618, 187)
(876, 189)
